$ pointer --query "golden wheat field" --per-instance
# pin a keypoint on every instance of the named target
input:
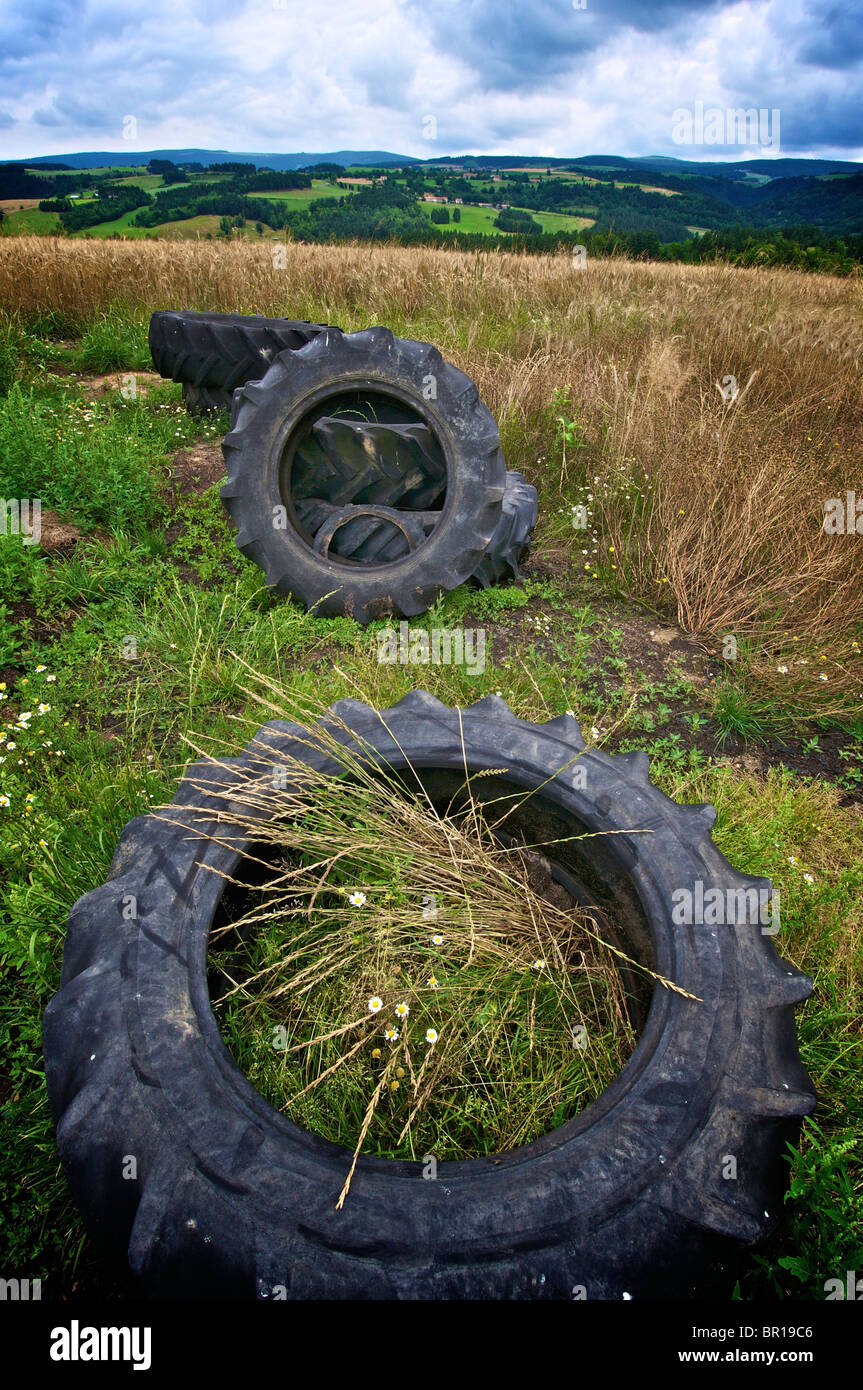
(709, 411)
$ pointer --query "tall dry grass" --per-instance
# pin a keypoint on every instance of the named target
(727, 535)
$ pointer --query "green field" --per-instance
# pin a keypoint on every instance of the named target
(474, 219)
(30, 222)
(206, 224)
(298, 199)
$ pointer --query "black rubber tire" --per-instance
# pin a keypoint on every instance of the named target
(267, 412)
(507, 547)
(230, 1199)
(207, 401)
(511, 540)
(222, 350)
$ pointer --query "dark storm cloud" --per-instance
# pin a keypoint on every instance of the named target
(522, 45)
(823, 33)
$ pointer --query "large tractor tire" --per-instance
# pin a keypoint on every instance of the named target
(222, 350)
(654, 1191)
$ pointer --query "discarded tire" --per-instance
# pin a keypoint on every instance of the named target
(206, 400)
(367, 538)
(364, 420)
(222, 350)
(636, 1196)
(511, 540)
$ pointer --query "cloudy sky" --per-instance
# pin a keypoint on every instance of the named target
(425, 77)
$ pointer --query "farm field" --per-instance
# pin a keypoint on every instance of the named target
(29, 222)
(704, 523)
(474, 219)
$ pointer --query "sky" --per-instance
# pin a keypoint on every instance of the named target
(432, 77)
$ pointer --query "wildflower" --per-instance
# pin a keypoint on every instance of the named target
(41, 668)
(809, 878)
(44, 844)
(538, 965)
(823, 677)
(791, 859)
(783, 670)
(357, 899)
(50, 678)
(400, 1071)
(394, 1085)
(437, 940)
(42, 709)
(433, 982)
(391, 1034)
(4, 801)
(10, 746)
(431, 1035)
(402, 1010)
(376, 1052)
(375, 1004)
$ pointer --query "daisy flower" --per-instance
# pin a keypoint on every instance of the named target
(402, 1010)
(357, 899)
(791, 859)
(431, 1035)
(50, 678)
(437, 940)
(809, 878)
(539, 965)
(433, 982)
(375, 1004)
(391, 1034)
(4, 801)
(41, 668)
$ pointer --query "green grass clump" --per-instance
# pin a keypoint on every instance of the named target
(115, 341)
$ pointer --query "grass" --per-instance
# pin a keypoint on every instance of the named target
(603, 382)
(474, 219)
(30, 222)
(401, 946)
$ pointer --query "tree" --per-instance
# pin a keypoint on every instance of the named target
(456, 214)
(225, 226)
(259, 228)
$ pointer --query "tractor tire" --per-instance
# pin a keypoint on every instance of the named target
(367, 540)
(654, 1191)
(427, 448)
(207, 402)
(511, 540)
(222, 350)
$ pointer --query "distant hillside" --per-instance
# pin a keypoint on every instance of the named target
(100, 159)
